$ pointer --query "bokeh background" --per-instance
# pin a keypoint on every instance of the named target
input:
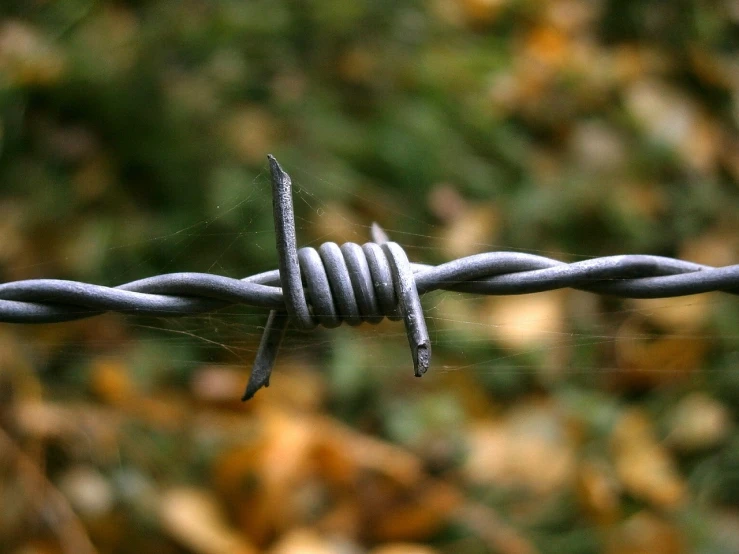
(133, 137)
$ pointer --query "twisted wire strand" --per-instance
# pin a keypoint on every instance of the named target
(492, 273)
(354, 284)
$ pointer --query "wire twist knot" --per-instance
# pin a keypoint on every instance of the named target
(334, 284)
(347, 283)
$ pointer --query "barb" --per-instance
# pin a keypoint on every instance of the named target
(354, 284)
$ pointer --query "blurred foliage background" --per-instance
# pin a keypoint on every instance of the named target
(133, 138)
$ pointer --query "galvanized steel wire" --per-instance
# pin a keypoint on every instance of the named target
(492, 273)
(354, 284)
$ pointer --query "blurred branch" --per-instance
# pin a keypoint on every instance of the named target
(49, 501)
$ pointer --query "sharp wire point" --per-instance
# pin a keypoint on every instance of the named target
(274, 331)
(410, 307)
(378, 234)
(422, 359)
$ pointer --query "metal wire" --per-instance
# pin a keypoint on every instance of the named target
(354, 284)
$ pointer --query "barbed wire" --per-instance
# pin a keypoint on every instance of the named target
(354, 284)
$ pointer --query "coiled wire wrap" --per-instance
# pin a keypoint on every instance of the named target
(349, 284)
(354, 283)
(355, 278)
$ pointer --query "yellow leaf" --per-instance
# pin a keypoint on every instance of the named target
(526, 322)
(111, 382)
(194, 518)
(643, 465)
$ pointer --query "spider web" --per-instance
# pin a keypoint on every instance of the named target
(553, 335)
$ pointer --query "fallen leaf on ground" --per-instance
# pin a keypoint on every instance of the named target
(645, 533)
(698, 422)
(303, 541)
(599, 492)
(643, 465)
(194, 518)
(403, 548)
